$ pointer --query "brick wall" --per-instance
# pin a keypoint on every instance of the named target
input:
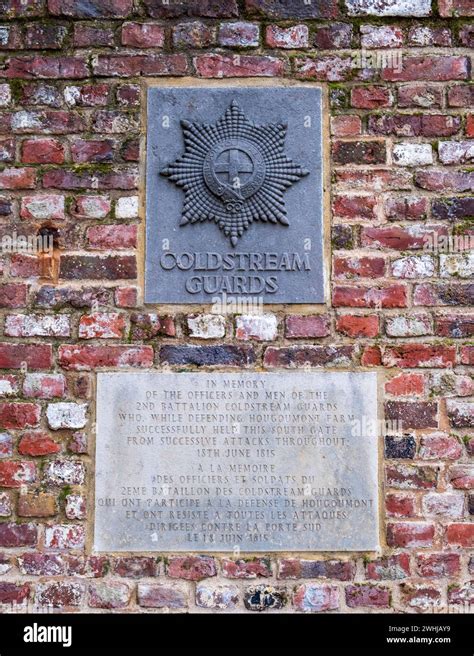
(401, 171)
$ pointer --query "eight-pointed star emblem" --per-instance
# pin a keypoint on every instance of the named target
(234, 172)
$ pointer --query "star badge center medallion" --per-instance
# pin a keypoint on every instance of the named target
(234, 172)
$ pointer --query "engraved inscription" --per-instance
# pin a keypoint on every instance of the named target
(226, 462)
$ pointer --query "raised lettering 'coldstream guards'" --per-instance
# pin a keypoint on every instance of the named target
(234, 172)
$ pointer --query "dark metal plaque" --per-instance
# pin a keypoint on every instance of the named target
(234, 204)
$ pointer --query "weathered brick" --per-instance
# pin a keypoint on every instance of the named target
(37, 325)
(161, 595)
(388, 7)
(391, 296)
(16, 473)
(304, 326)
(64, 537)
(461, 535)
(216, 596)
(410, 534)
(311, 597)
(105, 267)
(422, 414)
(438, 68)
(143, 35)
(88, 357)
(90, 8)
(239, 34)
(191, 568)
(367, 596)
(109, 595)
(314, 356)
(389, 568)
(208, 355)
(44, 386)
(42, 504)
(295, 36)
(438, 565)
(293, 9)
(18, 535)
(217, 65)
(37, 443)
(101, 325)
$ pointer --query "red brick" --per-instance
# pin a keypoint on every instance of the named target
(246, 569)
(455, 325)
(406, 385)
(40, 36)
(455, 8)
(443, 294)
(440, 446)
(400, 505)
(461, 95)
(114, 236)
(42, 66)
(7, 150)
(18, 178)
(194, 34)
(126, 297)
(14, 593)
(419, 355)
(13, 295)
(91, 8)
(238, 35)
(314, 356)
(359, 152)
(461, 535)
(44, 386)
(293, 9)
(91, 207)
(420, 95)
(355, 207)
(216, 65)
(87, 95)
(135, 65)
(378, 297)
(109, 595)
(35, 356)
(438, 565)
(105, 267)
(18, 535)
(359, 267)
(39, 504)
(436, 68)
(330, 68)
(316, 597)
(333, 36)
(192, 568)
(42, 207)
(12, 37)
(92, 150)
(143, 35)
(411, 477)
(445, 181)
(346, 125)
(15, 473)
(295, 36)
(92, 35)
(88, 357)
(101, 325)
(204, 8)
(470, 125)
(467, 355)
(461, 477)
(373, 179)
(24, 266)
(371, 97)
(401, 238)
(64, 537)
(305, 326)
(422, 414)
(367, 596)
(371, 357)
(19, 415)
(354, 325)
(410, 534)
(389, 568)
(135, 567)
(93, 179)
(37, 443)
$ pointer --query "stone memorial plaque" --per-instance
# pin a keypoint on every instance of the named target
(234, 194)
(225, 461)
